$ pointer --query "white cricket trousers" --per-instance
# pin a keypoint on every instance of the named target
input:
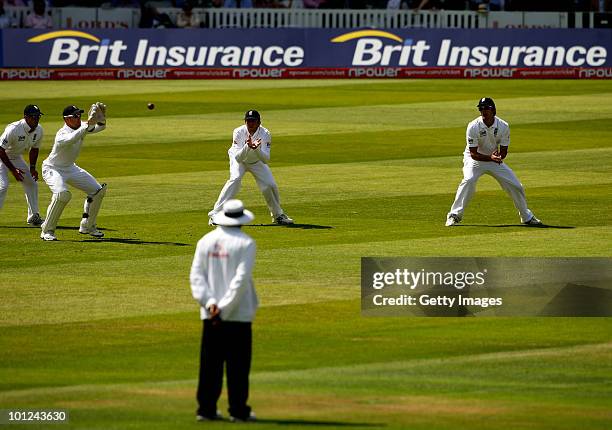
(58, 179)
(265, 181)
(473, 170)
(30, 186)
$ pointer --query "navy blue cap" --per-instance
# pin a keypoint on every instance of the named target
(32, 110)
(486, 102)
(252, 114)
(72, 110)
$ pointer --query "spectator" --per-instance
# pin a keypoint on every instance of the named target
(39, 18)
(238, 4)
(16, 2)
(398, 4)
(150, 17)
(5, 19)
(442, 5)
(601, 5)
(314, 4)
(487, 5)
(125, 3)
(211, 4)
(186, 18)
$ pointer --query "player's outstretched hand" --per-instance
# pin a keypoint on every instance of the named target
(495, 157)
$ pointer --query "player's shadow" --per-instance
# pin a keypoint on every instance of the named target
(64, 227)
(315, 423)
(561, 227)
(130, 241)
(299, 226)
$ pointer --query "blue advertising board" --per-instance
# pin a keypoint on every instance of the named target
(305, 53)
(325, 48)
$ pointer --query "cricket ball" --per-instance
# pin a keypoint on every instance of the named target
(151, 106)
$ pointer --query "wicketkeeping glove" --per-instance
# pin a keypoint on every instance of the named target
(100, 113)
(93, 112)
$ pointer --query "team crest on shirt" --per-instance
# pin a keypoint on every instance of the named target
(495, 132)
(34, 138)
(20, 138)
(483, 132)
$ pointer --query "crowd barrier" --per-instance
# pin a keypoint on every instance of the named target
(92, 18)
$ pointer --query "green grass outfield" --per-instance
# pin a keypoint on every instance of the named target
(107, 329)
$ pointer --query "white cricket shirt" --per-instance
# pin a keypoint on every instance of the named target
(221, 274)
(17, 138)
(243, 153)
(487, 139)
(67, 146)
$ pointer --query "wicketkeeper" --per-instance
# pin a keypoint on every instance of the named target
(59, 170)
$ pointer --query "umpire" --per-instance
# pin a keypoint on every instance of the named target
(221, 282)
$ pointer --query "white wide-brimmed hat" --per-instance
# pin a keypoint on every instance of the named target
(233, 214)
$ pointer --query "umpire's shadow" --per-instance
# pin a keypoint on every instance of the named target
(315, 423)
(299, 226)
(562, 227)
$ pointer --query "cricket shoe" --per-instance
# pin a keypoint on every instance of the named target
(452, 220)
(35, 220)
(91, 231)
(283, 219)
(211, 222)
(216, 417)
(533, 221)
(48, 236)
(251, 418)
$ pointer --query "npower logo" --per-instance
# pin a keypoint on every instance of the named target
(75, 48)
(381, 48)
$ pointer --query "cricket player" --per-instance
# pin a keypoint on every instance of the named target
(488, 138)
(250, 152)
(222, 283)
(19, 137)
(59, 170)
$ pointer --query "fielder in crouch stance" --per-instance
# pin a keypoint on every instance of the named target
(19, 137)
(250, 151)
(59, 170)
(482, 156)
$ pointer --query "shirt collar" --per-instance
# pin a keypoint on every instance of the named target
(26, 127)
(484, 125)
